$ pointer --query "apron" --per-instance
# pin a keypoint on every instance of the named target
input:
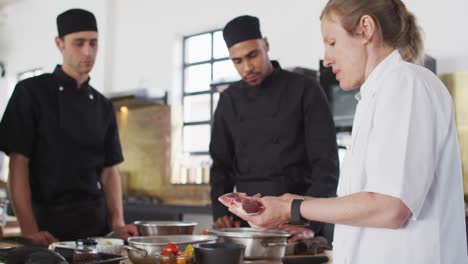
(73, 221)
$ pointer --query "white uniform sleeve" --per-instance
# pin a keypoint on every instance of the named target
(401, 153)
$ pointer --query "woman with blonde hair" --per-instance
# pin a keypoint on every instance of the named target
(400, 193)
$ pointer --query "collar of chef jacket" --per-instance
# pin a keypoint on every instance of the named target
(252, 92)
(269, 79)
(68, 82)
(368, 88)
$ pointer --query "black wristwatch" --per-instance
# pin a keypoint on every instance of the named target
(296, 218)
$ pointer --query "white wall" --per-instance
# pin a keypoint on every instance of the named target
(148, 35)
(140, 40)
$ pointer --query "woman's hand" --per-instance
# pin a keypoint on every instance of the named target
(275, 214)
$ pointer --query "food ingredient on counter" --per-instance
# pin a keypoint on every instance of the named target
(172, 255)
(171, 249)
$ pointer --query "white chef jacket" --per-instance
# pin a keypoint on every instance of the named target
(404, 144)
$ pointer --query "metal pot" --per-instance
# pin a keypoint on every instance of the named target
(152, 245)
(163, 228)
(258, 244)
(104, 245)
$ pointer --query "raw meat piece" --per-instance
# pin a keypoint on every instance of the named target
(311, 246)
(243, 203)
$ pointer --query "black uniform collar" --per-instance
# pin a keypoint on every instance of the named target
(253, 92)
(67, 81)
(270, 78)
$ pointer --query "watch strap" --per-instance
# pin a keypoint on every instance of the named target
(296, 218)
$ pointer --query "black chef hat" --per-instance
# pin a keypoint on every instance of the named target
(75, 20)
(240, 29)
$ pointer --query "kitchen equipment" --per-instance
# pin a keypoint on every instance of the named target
(102, 258)
(269, 244)
(155, 244)
(163, 228)
(85, 251)
(8, 243)
(3, 211)
(104, 245)
(32, 254)
(213, 253)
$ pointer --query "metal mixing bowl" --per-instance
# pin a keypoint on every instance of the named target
(163, 228)
(153, 245)
(258, 244)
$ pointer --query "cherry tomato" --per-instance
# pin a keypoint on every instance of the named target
(170, 249)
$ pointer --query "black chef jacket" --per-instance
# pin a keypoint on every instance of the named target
(273, 139)
(69, 136)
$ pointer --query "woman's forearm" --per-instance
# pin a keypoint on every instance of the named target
(359, 209)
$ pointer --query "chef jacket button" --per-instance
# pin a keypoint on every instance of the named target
(60, 88)
(91, 96)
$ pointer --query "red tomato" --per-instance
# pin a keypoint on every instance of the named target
(170, 249)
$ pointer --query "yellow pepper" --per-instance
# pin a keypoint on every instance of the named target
(188, 252)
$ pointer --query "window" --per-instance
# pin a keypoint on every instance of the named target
(205, 60)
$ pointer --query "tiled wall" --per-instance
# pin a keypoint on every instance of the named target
(145, 137)
(145, 134)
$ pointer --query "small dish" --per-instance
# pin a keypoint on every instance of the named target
(214, 253)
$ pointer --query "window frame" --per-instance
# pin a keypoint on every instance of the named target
(209, 90)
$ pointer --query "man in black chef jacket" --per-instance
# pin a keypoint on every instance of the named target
(273, 132)
(62, 139)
